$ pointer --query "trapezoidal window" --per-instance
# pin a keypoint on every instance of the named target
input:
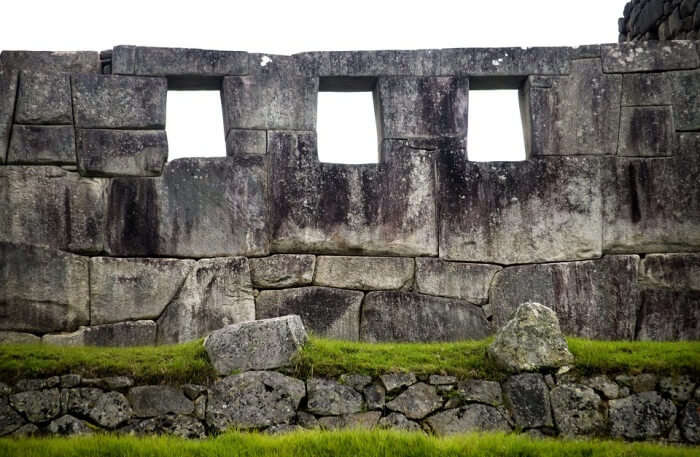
(346, 124)
(194, 124)
(495, 131)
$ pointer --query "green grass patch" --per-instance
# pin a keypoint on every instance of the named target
(351, 443)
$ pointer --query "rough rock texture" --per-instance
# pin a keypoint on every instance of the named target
(478, 391)
(8, 96)
(48, 61)
(646, 131)
(327, 397)
(10, 420)
(470, 418)
(603, 385)
(395, 381)
(504, 212)
(69, 426)
(149, 401)
(254, 399)
(366, 420)
(37, 405)
(530, 341)
(169, 424)
(405, 316)
(578, 410)
(678, 388)
(375, 396)
(121, 334)
(108, 152)
(246, 141)
(42, 145)
(79, 401)
(44, 98)
(641, 416)
(466, 281)
(592, 299)
(369, 63)
(417, 401)
(527, 396)
(669, 315)
(649, 56)
(690, 422)
(364, 273)
(671, 271)
(328, 312)
(398, 421)
(505, 61)
(10, 337)
(282, 270)
(256, 345)
(216, 293)
(42, 289)
(111, 409)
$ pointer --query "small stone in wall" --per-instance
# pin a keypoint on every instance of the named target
(642, 416)
(480, 391)
(68, 426)
(111, 410)
(690, 422)
(578, 410)
(417, 401)
(149, 401)
(326, 397)
(679, 388)
(470, 418)
(37, 405)
(527, 396)
(10, 420)
(398, 421)
(367, 420)
(395, 381)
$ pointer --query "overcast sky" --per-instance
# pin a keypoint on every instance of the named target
(296, 26)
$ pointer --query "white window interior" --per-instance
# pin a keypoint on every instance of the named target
(194, 123)
(495, 131)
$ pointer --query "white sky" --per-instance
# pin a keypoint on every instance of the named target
(287, 27)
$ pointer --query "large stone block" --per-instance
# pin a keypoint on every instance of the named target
(52, 207)
(42, 144)
(332, 313)
(422, 106)
(42, 289)
(466, 281)
(672, 271)
(505, 61)
(216, 293)
(653, 205)
(541, 210)
(106, 152)
(646, 131)
(119, 102)
(593, 299)
(149, 401)
(669, 315)
(649, 56)
(122, 334)
(381, 209)
(405, 316)
(8, 95)
(420, 62)
(643, 416)
(51, 62)
(44, 98)
(471, 418)
(527, 397)
(124, 289)
(246, 141)
(364, 273)
(282, 270)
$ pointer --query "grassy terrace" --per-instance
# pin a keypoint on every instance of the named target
(321, 357)
(352, 443)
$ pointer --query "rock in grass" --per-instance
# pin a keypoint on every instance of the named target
(530, 341)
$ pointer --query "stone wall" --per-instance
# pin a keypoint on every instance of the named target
(660, 20)
(103, 241)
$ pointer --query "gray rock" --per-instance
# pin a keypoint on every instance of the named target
(441, 380)
(26, 430)
(37, 405)
(125, 289)
(193, 391)
(527, 397)
(200, 407)
(505, 61)
(42, 145)
(367, 420)
(118, 102)
(422, 62)
(254, 399)
(646, 131)
(43, 289)
(24, 385)
(327, 312)
(480, 391)
(470, 418)
(466, 281)
(326, 397)
(282, 270)
(111, 410)
(307, 420)
(641, 416)
(9, 337)
(690, 422)
(592, 299)
(356, 381)
(398, 421)
(169, 424)
(108, 152)
(364, 273)
(604, 385)
(122, 334)
(44, 98)
(532, 340)
(216, 293)
(70, 380)
(668, 315)
(405, 316)
(375, 396)
(649, 56)
(149, 401)
(417, 401)
(672, 271)
(679, 388)
(8, 95)
(69, 426)
(246, 141)
(577, 410)
(394, 381)
(10, 420)
(79, 401)
(645, 382)
(256, 345)
(51, 62)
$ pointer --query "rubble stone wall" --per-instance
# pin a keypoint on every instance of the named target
(660, 20)
(103, 241)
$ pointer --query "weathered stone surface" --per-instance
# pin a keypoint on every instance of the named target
(466, 281)
(405, 316)
(417, 401)
(118, 102)
(10, 420)
(679, 388)
(364, 273)
(503, 212)
(256, 345)
(375, 396)
(68, 425)
(307, 420)
(43, 289)
(216, 293)
(282, 270)
(169, 424)
(109, 152)
(688, 143)
(356, 381)
(505, 61)
(51, 62)
(254, 399)
(603, 385)
(79, 401)
(52, 207)
(200, 407)
(174, 215)
(394, 381)
(398, 421)
(646, 131)
(653, 205)
(421, 62)
(115, 382)
(645, 382)
(42, 145)
(327, 397)
(44, 98)
(8, 95)
(24, 385)
(530, 341)
(671, 271)
(70, 380)
(246, 141)
(669, 315)
(382, 209)
(367, 420)
(422, 106)
(37, 405)
(479, 391)
(577, 410)
(593, 299)
(193, 391)
(470, 418)
(328, 312)
(527, 397)
(149, 401)
(26, 430)
(133, 288)
(649, 56)
(642, 416)
(121, 334)
(111, 410)
(690, 422)
(441, 380)
(9, 337)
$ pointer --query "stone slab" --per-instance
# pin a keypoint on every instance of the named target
(420, 62)
(109, 152)
(122, 334)
(646, 131)
(282, 270)
(149, 401)
(649, 56)
(44, 98)
(466, 281)
(364, 273)
(679, 271)
(669, 315)
(49, 62)
(505, 61)
(246, 141)
(42, 145)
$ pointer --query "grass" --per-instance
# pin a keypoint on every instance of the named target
(352, 443)
(188, 362)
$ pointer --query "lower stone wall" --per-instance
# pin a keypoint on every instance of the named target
(660, 20)
(640, 407)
